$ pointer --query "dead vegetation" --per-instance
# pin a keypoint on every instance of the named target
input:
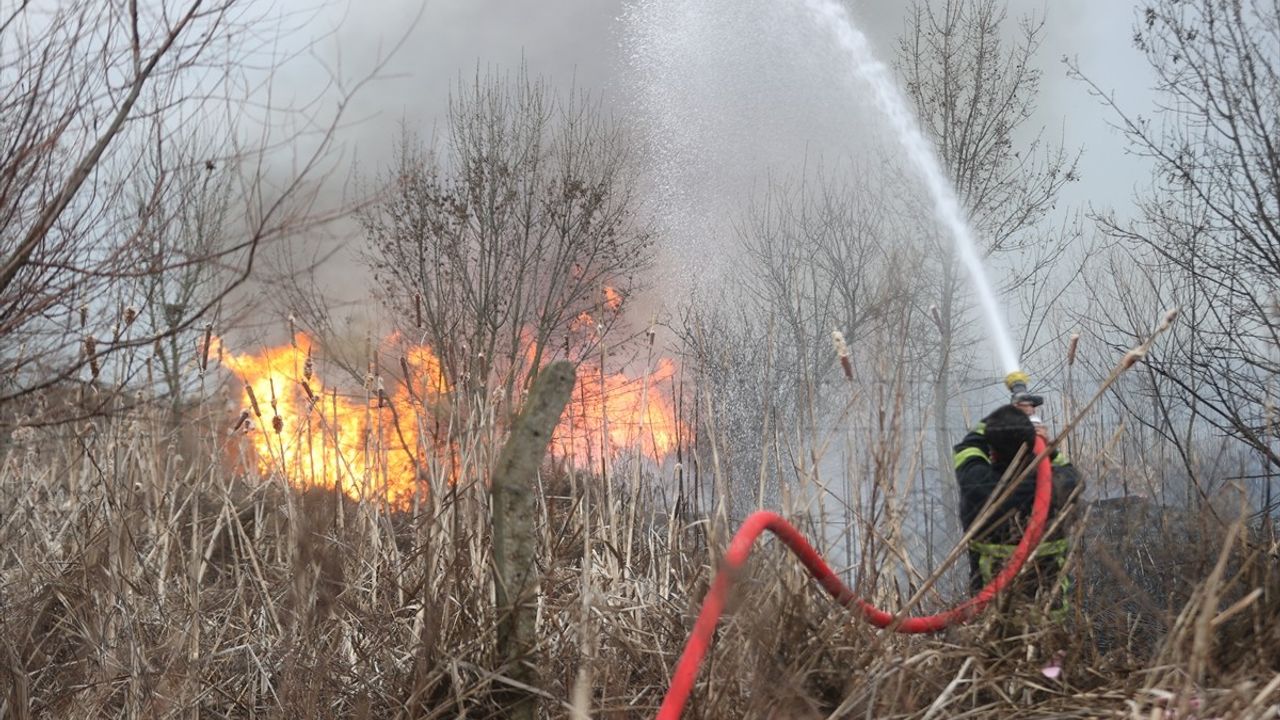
(147, 576)
(153, 565)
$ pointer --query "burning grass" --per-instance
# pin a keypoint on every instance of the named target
(158, 571)
(382, 442)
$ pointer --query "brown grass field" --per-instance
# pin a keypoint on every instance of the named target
(154, 570)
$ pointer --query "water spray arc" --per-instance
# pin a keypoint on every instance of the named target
(893, 105)
(949, 212)
(832, 16)
(686, 672)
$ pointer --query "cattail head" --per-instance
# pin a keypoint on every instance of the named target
(253, 400)
(1071, 348)
(407, 375)
(837, 339)
(130, 314)
(204, 347)
(417, 309)
(277, 424)
(84, 316)
(1132, 357)
(308, 366)
(91, 353)
(293, 331)
(1169, 317)
(242, 422)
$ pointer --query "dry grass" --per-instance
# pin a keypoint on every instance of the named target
(146, 573)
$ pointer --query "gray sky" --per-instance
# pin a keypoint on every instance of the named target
(738, 59)
(582, 41)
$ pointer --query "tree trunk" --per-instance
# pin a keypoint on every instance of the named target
(514, 519)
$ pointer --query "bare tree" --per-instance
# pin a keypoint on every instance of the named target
(1207, 233)
(822, 250)
(974, 93)
(179, 249)
(822, 253)
(861, 253)
(98, 96)
(518, 245)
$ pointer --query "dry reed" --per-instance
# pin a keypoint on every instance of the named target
(152, 571)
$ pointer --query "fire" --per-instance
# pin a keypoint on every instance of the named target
(611, 414)
(383, 440)
(612, 298)
(368, 445)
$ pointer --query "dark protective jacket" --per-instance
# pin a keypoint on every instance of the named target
(979, 477)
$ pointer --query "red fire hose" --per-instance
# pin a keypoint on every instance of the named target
(687, 669)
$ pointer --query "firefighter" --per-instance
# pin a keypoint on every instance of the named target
(982, 459)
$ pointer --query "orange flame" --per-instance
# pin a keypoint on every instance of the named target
(378, 443)
(612, 298)
(611, 414)
(366, 446)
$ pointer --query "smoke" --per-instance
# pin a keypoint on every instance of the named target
(726, 93)
(569, 42)
(400, 60)
(723, 93)
(1100, 39)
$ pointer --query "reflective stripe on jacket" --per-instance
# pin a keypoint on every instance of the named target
(990, 553)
